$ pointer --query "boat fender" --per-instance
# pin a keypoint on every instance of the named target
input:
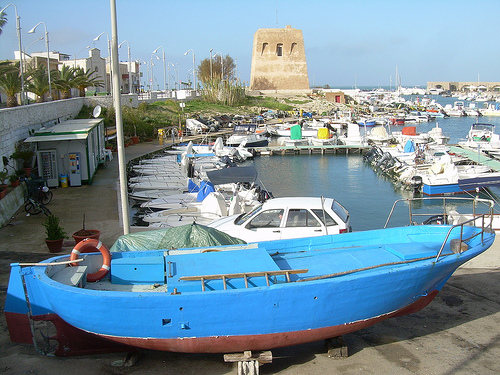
(90, 245)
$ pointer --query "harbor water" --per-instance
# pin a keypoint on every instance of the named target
(367, 195)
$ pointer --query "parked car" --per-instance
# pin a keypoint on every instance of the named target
(283, 218)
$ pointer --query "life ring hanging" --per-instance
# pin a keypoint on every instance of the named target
(90, 245)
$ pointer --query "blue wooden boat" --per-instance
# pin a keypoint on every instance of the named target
(239, 297)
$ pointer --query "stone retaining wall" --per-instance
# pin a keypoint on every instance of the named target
(17, 123)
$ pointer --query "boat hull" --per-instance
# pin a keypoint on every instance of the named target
(390, 280)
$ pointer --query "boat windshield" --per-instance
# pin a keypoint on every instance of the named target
(487, 127)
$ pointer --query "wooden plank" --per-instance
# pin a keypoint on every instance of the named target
(242, 275)
(336, 347)
(261, 357)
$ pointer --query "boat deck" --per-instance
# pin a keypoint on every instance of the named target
(254, 268)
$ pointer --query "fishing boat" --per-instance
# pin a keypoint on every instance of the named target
(223, 299)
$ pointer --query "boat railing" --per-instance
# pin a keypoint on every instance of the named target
(244, 275)
(484, 221)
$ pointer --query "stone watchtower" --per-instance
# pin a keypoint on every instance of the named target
(279, 60)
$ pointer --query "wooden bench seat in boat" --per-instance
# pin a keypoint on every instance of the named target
(72, 276)
(184, 271)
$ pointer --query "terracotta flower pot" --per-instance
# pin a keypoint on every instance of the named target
(15, 183)
(54, 246)
(86, 233)
(3, 191)
(135, 140)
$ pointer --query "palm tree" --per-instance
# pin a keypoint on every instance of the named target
(84, 79)
(64, 81)
(10, 81)
(3, 21)
(38, 82)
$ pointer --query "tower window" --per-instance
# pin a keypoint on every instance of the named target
(294, 46)
(264, 47)
(279, 49)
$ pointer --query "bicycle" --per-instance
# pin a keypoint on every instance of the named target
(34, 207)
(38, 196)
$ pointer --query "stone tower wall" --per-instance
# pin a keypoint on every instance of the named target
(279, 60)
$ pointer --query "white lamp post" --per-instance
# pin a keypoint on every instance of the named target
(109, 56)
(164, 68)
(76, 55)
(211, 49)
(29, 45)
(48, 52)
(129, 68)
(194, 71)
(21, 67)
(169, 63)
(152, 75)
(218, 53)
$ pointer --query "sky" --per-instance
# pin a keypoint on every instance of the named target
(347, 43)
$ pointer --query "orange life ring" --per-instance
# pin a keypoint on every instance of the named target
(90, 245)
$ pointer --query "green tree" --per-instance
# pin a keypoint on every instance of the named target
(3, 21)
(84, 79)
(219, 68)
(64, 81)
(10, 81)
(37, 82)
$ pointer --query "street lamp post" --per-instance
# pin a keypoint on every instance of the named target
(169, 63)
(194, 71)
(129, 68)
(218, 53)
(211, 49)
(29, 45)
(48, 53)
(110, 62)
(152, 75)
(21, 68)
(164, 67)
(76, 55)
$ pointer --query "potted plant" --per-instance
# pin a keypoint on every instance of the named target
(14, 180)
(85, 233)
(26, 156)
(3, 185)
(55, 234)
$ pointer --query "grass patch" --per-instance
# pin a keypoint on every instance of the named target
(291, 101)
(270, 103)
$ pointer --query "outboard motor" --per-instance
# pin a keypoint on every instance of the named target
(416, 184)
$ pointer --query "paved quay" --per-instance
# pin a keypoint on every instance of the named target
(458, 333)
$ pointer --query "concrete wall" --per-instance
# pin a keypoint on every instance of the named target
(279, 60)
(17, 123)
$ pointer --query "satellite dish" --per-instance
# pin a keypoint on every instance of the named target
(97, 111)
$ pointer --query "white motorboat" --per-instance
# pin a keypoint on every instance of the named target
(353, 136)
(483, 137)
(323, 138)
(245, 135)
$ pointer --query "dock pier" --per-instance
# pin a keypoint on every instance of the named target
(308, 149)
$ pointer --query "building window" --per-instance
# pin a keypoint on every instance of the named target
(279, 49)
(264, 47)
(294, 46)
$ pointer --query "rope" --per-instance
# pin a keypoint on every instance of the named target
(368, 268)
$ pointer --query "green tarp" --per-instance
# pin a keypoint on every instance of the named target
(185, 236)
